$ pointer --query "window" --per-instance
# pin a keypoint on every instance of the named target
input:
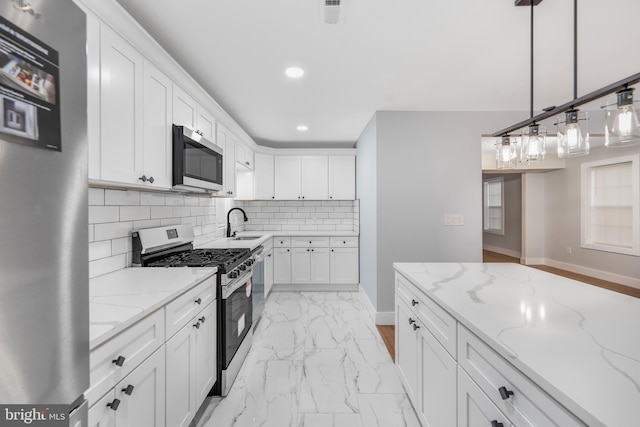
(494, 206)
(610, 212)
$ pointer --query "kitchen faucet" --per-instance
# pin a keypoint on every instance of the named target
(229, 222)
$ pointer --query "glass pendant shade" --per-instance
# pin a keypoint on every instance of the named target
(622, 125)
(534, 145)
(573, 136)
(506, 154)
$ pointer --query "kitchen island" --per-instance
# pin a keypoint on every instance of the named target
(575, 347)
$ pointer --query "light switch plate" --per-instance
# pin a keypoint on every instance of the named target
(454, 219)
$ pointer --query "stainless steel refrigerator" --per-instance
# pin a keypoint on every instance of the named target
(44, 295)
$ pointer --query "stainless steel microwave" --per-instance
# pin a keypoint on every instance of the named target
(197, 162)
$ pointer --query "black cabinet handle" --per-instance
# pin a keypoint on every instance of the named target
(495, 423)
(119, 361)
(331, 250)
(128, 390)
(312, 250)
(197, 325)
(331, 197)
(114, 405)
(143, 178)
(247, 163)
(269, 255)
(198, 301)
(411, 321)
(344, 242)
(309, 241)
(202, 319)
(287, 250)
(303, 197)
(414, 302)
(504, 393)
(307, 250)
(415, 326)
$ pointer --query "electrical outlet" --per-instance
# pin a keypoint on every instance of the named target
(568, 250)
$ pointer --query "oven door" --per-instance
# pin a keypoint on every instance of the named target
(237, 316)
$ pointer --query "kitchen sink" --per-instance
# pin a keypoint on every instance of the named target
(246, 238)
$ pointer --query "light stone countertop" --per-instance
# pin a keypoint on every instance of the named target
(578, 342)
(119, 299)
(229, 242)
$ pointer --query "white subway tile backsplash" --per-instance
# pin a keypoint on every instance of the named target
(107, 265)
(181, 211)
(102, 214)
(146, 223)
(121, 246)
(290, 227)
(91, 233)
(306, 209)
(281, 215)
(152, 199)
(160, 212)
(325, 209)
(170, 221)
(308, 228)
(271, 209)
(344, 228)
(98, 250)
(121, 197)
(113, 230)
(134, 213)
(338, 215)
(290, 209)
(264, 215)
(174, 200)
(198, 210)
(346, 203)
(189, 220)
(96, 196)
(326, 228)
(191, 201)
(272, 228)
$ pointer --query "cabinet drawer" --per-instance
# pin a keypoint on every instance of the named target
(310, 242)
(344, 242)
(404, 291)
(529, 405)
(474, 407)
(133, 345)
(182, 309)
(282, 242)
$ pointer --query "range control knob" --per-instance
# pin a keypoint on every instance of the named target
(249, 262)
(242, 267)
(233, 274)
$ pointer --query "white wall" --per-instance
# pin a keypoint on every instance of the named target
(510, 242)
(533, 218)
(562, 229)
(427, 164)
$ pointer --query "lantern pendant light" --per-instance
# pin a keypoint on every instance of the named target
(506, 153)
(622, 126)
(533, 147)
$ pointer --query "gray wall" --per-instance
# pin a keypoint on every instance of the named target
(427, 164)
(562, 193)
(511, 241)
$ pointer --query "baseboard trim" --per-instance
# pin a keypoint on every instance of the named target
(314, 287)
(502, 251)
(592, 272)
(385, 318)
(533, 261)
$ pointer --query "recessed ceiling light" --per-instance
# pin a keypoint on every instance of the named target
(294, 72)
(303, 128)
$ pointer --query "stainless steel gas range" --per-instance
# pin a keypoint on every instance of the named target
(172, 246)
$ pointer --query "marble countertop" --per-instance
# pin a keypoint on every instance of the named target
(578, 342)
(263, 236)
(119, 299)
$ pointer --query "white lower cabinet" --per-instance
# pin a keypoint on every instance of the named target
(282, 265)
(453, 378)
(300, 265)
(138, 400)
(268, 271)
(344, 265)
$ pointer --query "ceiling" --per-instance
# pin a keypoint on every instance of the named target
(438, 55)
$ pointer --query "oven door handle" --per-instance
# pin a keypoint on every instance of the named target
(228, 290)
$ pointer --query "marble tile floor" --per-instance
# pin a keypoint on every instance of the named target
(317, 361)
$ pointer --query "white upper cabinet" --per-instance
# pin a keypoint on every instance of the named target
(206, 124)
(263, 177)
(121, 77)
(244, 155)
(315, 177)
(157, 105)
(226, 140)
(287, 177)
(342, 177)
(185, 109)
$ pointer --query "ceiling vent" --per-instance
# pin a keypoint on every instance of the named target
(331, 11)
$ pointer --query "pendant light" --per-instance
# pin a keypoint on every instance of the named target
(622, 126)
(506, 153)
(572, 140)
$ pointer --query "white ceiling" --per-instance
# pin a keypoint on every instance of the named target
(440, 55)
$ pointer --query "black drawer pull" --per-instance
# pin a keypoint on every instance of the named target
(198, 301)
(414, 302)
(119, 361)
(128, 390)
(202, 319)
(415, 327)
(114, 405)
(411, 321)
(494, 423)
(197, 325)
(504, 393)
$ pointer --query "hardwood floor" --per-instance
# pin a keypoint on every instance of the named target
(388, 332)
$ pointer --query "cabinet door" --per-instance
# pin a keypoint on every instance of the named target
(315, 177)
(320, 265)
(101, 415)
(281, 265)
(268, 273)
(158, 110)
(263, 177)
(287, 177)
(180, 394)
(205, 353)
(121, 81)
(144, 404)
(407, 350)
(244, 156)
(437, 382)
(300, 265)
(342, 177)
(225, 139)
(344, 265)
(474, 407)
(206, 124)
(185, 109)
